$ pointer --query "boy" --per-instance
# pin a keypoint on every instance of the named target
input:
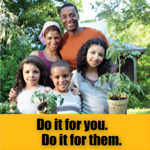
(61, 76)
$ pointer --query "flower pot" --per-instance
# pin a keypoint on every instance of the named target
(118, 106)
(40, 108)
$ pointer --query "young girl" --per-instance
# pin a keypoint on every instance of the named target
(31, 76)
(91, 64)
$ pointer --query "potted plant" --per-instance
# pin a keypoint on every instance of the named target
(5, 108)
(118, 98)
(49, 104)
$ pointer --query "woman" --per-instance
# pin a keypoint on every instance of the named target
(51, 37)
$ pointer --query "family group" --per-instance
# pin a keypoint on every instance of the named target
(70, 65)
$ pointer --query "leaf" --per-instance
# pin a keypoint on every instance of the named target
(103, 78)
(132, 58)
(138, 88)
(108, 53)
(136, 53)
(61, 101)
(110, 78)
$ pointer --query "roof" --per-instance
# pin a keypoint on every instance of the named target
(128, 46)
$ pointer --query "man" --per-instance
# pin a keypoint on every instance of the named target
(76, 36)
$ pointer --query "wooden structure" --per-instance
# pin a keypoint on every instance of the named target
(129, 68)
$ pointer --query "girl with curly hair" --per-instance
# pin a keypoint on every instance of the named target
(31, 76)
(91, 64)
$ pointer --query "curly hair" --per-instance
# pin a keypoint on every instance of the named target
(82, 57)
(19, 81)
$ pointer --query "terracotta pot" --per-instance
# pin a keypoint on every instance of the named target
(118, 106)
(40, 108)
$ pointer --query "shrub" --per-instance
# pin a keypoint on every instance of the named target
(143, 76)
(14, 48)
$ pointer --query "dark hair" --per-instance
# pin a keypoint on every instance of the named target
(61, 63)
(82, 57)
(52, 28)
(20, 83)
(67, 5)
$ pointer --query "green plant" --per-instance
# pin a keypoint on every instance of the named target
(13, 50)
(5, 108)
(50, 99)
(124, 85)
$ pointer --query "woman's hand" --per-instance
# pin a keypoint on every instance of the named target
(75, 91)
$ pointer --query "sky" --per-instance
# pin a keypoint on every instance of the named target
(88, 13)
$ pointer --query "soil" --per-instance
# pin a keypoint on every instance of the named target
(116, 98)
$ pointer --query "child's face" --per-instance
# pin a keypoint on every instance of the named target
(52, 39)
(61, 77)
(95, 55)
(31, 74)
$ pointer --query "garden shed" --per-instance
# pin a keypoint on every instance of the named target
(130, 66)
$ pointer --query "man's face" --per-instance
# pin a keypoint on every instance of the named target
(69, 18)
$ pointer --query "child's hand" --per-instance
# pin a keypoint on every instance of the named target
(42, 91)
(45, 91)
(12, 95)
(75, 91)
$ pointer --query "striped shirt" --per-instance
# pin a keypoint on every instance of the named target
(71, 104)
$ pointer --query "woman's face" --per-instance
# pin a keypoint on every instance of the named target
(95, 55)
(52, 39)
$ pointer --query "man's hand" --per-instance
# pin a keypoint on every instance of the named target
(113, 68)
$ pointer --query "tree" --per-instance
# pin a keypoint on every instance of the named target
(124, 13)
(88, 20)
(33, 14)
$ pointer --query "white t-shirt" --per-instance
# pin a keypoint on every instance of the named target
(24, 102)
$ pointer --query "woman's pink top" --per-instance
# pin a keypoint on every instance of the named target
(48, 65)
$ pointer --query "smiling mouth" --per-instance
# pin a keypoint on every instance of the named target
(63, 85)
(54, 46)
(70, 24)
(31, 80)
(93, 62)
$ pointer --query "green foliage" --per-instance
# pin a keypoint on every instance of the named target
(139, 35)
(138, 111)
(33, 14)
(124, 13)
(12, 54)
(129, 21)
(88, 20)
(5, 108)
(49, 98)
(123, 82)
(143, 66)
